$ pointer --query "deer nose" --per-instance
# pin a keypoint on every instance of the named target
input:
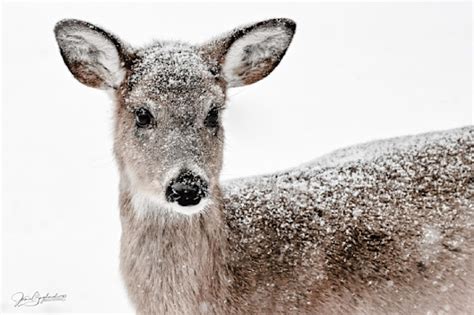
(187, 189)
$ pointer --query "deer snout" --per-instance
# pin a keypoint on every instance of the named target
(187, 189)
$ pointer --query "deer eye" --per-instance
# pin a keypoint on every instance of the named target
(143, 117)
(212, 118)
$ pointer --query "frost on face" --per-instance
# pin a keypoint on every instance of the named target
(169, 98)
(175, 87)
(170, 66)
(183, 92)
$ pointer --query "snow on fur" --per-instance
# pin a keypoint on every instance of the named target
(381, 227)
(396, 211)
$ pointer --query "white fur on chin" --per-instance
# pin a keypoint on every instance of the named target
(146, 205)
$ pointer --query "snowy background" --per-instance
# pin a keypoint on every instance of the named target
(354, 72)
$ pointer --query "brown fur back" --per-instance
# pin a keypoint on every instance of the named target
(383, 227)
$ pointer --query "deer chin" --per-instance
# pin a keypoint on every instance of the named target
(148, 199)
(146, 204)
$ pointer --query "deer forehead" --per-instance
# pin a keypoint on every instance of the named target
(172, 70)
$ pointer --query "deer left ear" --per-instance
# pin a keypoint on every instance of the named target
(94, 56)
(250, 53)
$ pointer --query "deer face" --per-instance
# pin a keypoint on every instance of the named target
(169, 98)
(169, 134)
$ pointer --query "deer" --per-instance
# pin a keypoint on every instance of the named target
(384, 227)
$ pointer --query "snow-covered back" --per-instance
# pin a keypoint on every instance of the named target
(388, 211)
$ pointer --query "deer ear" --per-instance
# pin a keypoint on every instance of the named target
(95, 57)
(248, 54)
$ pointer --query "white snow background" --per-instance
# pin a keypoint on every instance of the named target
(354, 72)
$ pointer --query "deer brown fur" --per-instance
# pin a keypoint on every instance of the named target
(380, 228)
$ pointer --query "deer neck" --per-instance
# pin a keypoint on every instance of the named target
(177, 260)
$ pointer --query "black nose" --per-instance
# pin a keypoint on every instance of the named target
(187, 189)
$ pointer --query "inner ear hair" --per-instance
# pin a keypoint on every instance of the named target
(94, 56)
(249, 53)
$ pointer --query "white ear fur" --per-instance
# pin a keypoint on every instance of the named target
(92, 55)
(255, 55)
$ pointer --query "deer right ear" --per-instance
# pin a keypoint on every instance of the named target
(249, 53)
(95, 57)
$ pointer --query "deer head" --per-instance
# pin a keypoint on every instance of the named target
(169, 97)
